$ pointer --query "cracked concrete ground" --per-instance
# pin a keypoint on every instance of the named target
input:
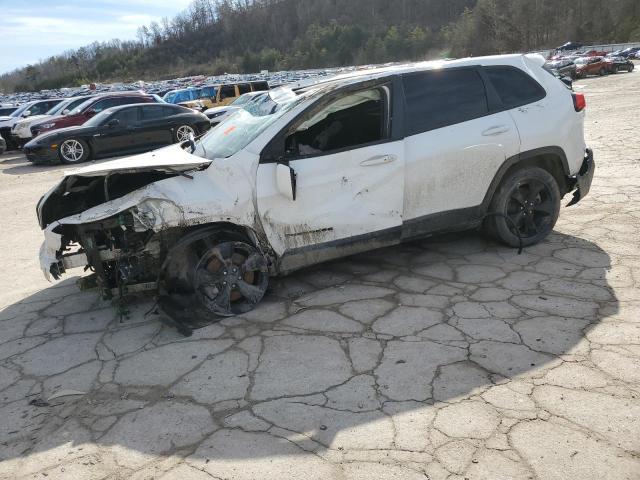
(453, 358)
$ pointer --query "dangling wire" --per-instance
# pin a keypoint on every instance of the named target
(512, 223)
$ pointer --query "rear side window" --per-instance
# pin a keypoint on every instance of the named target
(130, 100)
(244, 88)
(440, 98)
(227, 91)
(104, 104)
(127, 116)
(514, 87)
(260, 86)
(166, 110)
(151, 112)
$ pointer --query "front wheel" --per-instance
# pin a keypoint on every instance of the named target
(183, 133)
(525, 207)
(73, 151)
(210, 275)
(602, 72)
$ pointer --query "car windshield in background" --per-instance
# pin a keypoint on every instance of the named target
(181, 96)
(21, 110)
(98, 119)
(81, 107)
(581, 61)
(208, 92)
(235, 133)
(66, 105)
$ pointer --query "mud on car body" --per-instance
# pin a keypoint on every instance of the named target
(349, 164)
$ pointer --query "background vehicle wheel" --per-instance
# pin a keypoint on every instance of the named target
(210, 274)
(631, 67)
(182, 133)
(602, 72)
(530, 198)
(73, 151)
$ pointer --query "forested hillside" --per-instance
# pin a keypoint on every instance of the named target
(216, 36)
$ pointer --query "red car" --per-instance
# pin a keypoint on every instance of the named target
(591, 66)
(88, 109)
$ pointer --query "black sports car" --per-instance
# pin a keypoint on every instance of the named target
(117, 131)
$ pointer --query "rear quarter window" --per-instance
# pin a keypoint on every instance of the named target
(440, 98)
(514, 87)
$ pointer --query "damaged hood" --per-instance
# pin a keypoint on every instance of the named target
(172, 158)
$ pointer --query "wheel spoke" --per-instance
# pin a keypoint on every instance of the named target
(545, 208)
(250, 292)
(223, 300)
(210, 278)
(518, 197)
(535, 188)
(530, 224)
(254, 262)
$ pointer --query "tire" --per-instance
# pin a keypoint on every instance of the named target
(181, 133)
(602, 72)
(73, 151)
(631, 67)
(530, 198)
(212, 274)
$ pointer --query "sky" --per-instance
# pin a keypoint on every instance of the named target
(32, 30)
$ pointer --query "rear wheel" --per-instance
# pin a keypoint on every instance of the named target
(73, 151)
(525, 207)
(183, 132)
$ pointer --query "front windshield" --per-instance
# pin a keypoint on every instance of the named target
(178, 96)
(98, 118)
(239, 130)
(80, 108)
(66, 105)
(242, 99)
(208, 92)
(581, 61)
(21, 110)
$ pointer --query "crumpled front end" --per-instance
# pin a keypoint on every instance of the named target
(122, 236)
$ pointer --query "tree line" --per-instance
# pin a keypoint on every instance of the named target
(219, 36)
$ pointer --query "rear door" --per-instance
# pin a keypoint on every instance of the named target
(349, 171)
(455, 145)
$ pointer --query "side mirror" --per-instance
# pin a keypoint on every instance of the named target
(113, 123)
(286, 181)
(26, 114)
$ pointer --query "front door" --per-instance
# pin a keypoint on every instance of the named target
(124, 137)
(349, 175)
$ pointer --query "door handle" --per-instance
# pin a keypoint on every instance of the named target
(493, 131)
(378, 160)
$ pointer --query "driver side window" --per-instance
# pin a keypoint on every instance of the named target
(352, 120)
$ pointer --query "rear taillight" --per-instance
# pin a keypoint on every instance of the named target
(579, 102)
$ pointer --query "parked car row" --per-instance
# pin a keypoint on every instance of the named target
(118, 130)
(213, 95)
(581, 66)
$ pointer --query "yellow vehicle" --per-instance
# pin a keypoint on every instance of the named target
(223, 94)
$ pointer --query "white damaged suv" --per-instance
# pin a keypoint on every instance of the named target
(352, 163)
